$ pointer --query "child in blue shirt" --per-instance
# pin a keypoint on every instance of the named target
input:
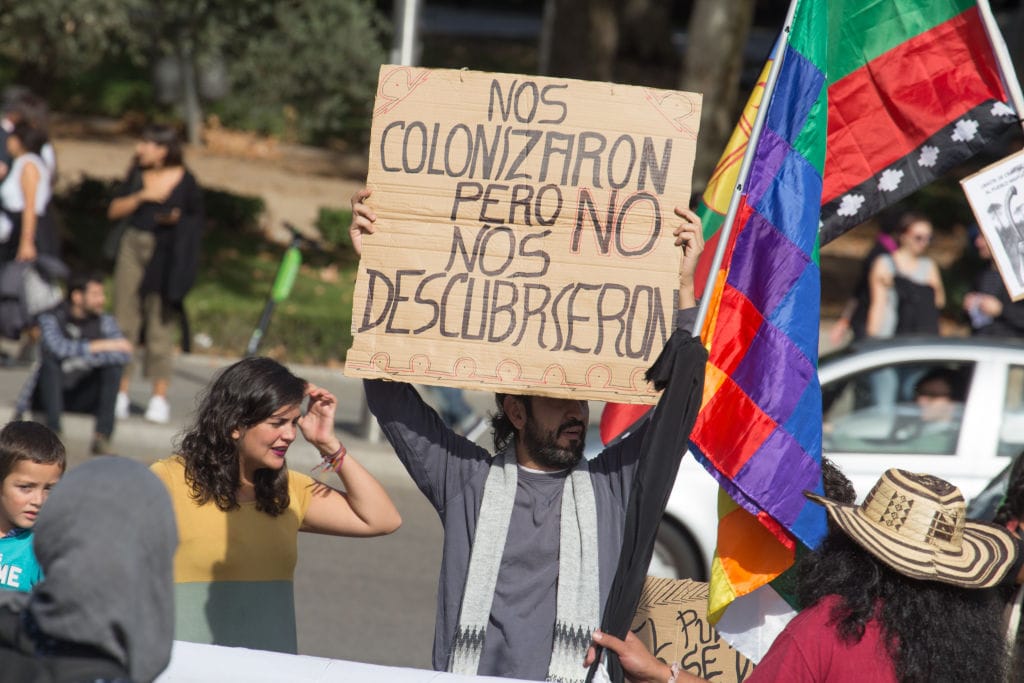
(32, 460)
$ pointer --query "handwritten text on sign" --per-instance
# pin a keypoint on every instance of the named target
(525, 232)
(671, 621)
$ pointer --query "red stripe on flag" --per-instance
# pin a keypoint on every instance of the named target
(700, 276)
(732, 428)
(738, 324)
(777, 530)
(618, 417)
(885, 110)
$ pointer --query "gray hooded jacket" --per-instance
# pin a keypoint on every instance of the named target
(105, 540)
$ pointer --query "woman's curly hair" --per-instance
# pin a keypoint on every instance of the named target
(244, 394)
(933, 631)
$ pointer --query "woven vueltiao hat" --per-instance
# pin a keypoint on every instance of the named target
(917, 524)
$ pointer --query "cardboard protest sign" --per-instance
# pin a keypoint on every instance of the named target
(524, 237)
(672, 621)
(996, 195)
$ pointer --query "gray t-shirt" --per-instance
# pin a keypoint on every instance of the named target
(451, 471)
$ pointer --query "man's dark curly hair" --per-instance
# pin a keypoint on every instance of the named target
(502, 429)
(934, 632)
(244, 394)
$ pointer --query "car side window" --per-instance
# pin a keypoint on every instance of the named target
(1011, 431)
(905, 408)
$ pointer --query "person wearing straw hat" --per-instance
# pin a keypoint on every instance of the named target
(894, 593)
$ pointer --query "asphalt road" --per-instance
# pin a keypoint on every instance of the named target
(367, 600)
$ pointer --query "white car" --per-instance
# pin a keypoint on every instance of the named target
(872, 421)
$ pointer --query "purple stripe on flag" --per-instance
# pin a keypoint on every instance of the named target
(725, 482)
(765, 265)
(774, 373)
(768, 158)
(776, 476)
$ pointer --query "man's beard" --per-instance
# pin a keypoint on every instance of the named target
(545, 449)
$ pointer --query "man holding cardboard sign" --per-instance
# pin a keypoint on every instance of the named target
(532, 534)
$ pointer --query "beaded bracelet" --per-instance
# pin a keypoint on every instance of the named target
(333, 461)
(673, 673)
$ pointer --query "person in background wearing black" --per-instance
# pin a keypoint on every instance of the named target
(83, 356)
(157, 260)
(991, 311)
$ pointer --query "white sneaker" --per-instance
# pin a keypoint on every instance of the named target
(121, 406)
(158, 410)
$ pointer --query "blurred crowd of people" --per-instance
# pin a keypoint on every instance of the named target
(899, 290)
(84, 358)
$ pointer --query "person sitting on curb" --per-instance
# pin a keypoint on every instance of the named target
(83, 356)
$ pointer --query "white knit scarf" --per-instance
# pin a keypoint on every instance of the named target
(577, 606)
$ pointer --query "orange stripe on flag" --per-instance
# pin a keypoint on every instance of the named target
(749, 555)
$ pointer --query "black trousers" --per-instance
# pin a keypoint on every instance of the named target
(95, 394)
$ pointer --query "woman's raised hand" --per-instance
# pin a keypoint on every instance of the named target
(317, 424)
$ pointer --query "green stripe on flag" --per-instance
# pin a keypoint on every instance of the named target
(712, 220)
(808, 36)
(810, 143)
(863, 31)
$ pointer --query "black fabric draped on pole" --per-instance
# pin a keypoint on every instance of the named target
(679, 370)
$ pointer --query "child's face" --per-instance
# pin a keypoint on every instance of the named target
(23, 493)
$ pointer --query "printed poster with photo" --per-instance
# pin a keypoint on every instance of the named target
(996, 195)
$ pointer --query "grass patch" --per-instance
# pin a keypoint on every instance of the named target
(312, 326)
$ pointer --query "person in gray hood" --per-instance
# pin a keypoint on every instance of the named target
(104, 611)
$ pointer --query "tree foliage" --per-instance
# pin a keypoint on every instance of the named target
(319, 58)
(718, 31)
(48, 39)
(310, 63)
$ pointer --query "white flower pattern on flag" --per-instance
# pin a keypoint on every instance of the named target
(965, 130)
(890, 179)
(850, 205)
(1002, 109)
(929, 156)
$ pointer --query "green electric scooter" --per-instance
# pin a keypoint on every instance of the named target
(282, 287)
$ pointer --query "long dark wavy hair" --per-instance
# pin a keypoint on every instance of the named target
(934, 632)
(1010, 509)
(244, 394)
(1012, 505)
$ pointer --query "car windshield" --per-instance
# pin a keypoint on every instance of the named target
(906, 408)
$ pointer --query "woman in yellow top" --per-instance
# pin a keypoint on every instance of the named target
(239, 509)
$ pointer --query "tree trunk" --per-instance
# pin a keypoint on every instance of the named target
(190, 97)
(646, 30)
(580, 39)
(715, 45)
